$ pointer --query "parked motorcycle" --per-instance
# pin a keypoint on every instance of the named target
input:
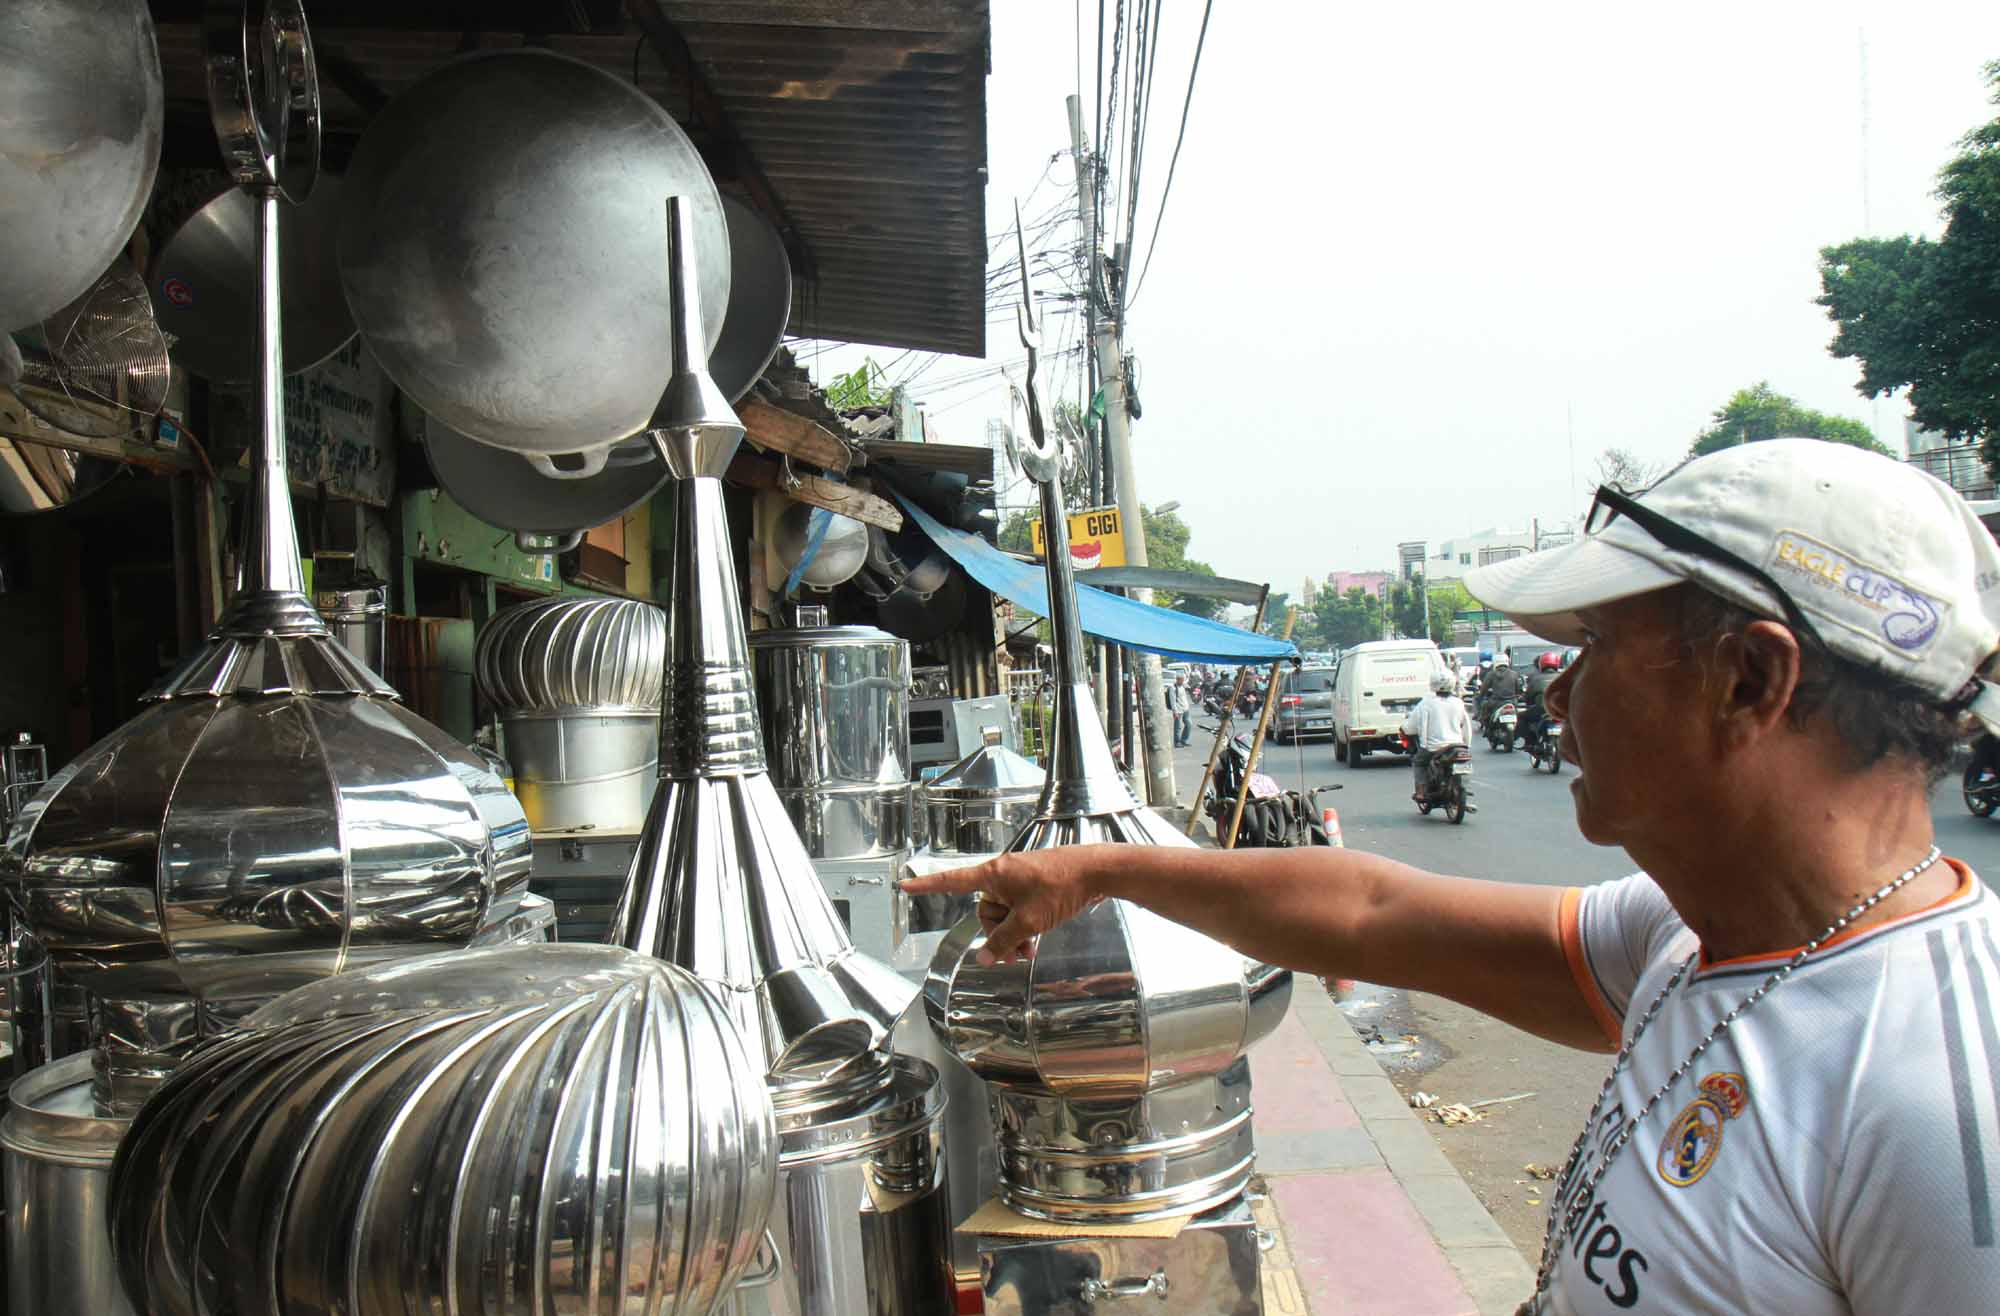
(1982, 780)
(1544, 745)
(1499, 725)
(1273, 815)
(1447, 784)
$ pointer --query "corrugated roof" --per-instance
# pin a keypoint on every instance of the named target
(858, 125)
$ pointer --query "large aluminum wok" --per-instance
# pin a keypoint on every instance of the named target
(80, 122)
(500, 247)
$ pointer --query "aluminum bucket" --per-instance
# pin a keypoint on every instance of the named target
(57, 1152)
(584, 770)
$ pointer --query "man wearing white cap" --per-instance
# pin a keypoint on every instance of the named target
(1782, 642)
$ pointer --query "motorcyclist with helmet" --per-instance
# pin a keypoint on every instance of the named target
(1502, 685)
(1547, 668)
(1438, 723)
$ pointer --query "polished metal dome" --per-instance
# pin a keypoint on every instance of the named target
(1115, 1055)
(572, 1129)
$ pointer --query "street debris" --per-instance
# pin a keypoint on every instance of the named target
(1456, 1113)
(1423, 1100)
(1536, 1171)
(1501, 1101)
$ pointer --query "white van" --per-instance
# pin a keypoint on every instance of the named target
(1379, 683)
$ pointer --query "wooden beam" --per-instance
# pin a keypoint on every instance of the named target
(816, 491)
(779, 430)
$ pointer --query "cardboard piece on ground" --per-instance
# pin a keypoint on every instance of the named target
(997, 1218)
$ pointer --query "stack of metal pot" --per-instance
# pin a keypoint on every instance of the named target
(835, 707)
(1115, 1055)
(723, 887)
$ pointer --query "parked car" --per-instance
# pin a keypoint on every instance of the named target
(1377, 684)
(1305, 704)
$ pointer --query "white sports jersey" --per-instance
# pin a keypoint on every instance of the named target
(1836, 1151)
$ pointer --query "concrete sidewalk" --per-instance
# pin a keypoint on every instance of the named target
(1369, 1216)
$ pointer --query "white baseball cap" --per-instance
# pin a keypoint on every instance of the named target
(1887, 563)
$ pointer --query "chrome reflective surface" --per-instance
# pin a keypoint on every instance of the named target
(1211, 1268)
(980, 804)
(577, 686)
(57, 1147)
(81, 114)
(563, 655)
(204, 286)
(211, 828)
(98, 366)
(540, 1129)
(513, 492)
(721, 884)
(863, 1224)
(1114, 1054)
(835, 704)
(480, 192)
(358, 621)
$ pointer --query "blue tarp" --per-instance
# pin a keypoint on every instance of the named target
(1107, 616)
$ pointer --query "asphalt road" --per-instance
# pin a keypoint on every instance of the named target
(1524, 832)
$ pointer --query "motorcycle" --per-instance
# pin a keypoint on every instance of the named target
(1499, 725)
(1544, 745)
(1447, 784)
(1982, 781)
(1272, 815)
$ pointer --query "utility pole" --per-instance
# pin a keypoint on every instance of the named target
(1109, 349)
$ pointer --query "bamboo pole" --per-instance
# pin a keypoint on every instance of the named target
(1257, 741)
(1222, 726)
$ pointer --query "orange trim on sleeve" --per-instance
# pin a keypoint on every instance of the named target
(1570, 927)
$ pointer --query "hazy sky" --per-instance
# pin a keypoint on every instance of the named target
(1410, 248)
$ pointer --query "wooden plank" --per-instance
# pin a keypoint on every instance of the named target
(779, 430)
(816, 491)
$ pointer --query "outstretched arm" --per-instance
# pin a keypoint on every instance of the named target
(1494, 946)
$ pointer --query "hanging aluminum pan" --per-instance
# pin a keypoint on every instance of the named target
(502, 243)
(81, 113)
(760, 300)
(519, 493)
(204, 286)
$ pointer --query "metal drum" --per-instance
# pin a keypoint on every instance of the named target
(835, 703)
(576, 683)
(358, 619)
(863, 1220)
(57, 1150)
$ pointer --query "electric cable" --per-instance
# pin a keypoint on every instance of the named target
(1152, 243)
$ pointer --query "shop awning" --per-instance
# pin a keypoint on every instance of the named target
(1107, 616)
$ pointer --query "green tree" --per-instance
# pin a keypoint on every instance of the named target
(1925, 315)
(1344, 620)
(1406, 607)
(863, 386)
(1759, 413)
(1015, 535)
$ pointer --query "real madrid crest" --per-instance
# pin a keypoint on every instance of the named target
(1695, 1137)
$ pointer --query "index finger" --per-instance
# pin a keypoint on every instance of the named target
(951, 882)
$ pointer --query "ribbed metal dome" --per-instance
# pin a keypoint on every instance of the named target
(570, 654)
(571, 1129)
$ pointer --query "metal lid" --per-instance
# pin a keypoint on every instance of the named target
(991, 772)
(55, 1117)
(344, 602)
(820, 637)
